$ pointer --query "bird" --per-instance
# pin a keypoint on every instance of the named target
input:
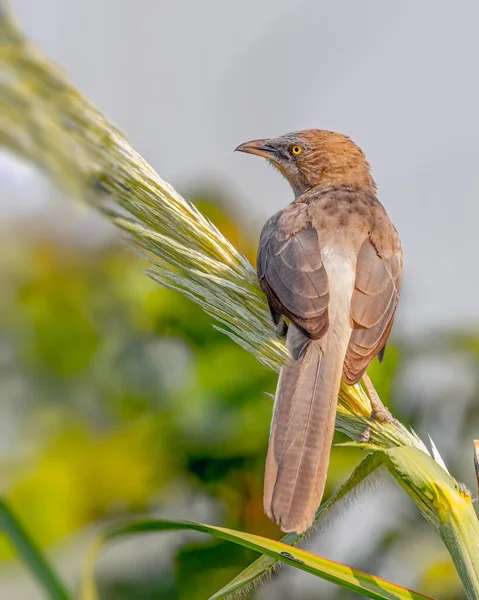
(331, 266)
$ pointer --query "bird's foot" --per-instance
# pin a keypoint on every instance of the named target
(379, 413)
(365, 436)
(282, 328)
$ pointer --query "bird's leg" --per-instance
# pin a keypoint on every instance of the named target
(281, 328)
(279, 321)
(379, 412)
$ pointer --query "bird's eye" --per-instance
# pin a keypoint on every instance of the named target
(296, 150)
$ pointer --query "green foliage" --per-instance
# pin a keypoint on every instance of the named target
(30, 554)
(364, 584)
(264, 565)
(46, 121)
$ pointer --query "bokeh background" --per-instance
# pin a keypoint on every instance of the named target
(119, 398)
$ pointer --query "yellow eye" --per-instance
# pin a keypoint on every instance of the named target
(296, 150)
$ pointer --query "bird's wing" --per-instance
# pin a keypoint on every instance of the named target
(293, 276)
(373, 305)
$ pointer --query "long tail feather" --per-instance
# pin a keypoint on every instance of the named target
(302, 431)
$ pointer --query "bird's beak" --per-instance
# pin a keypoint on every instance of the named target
(260, 148)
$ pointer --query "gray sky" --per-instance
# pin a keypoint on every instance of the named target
(188, 81)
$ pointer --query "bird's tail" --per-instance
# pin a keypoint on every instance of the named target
(302, 430)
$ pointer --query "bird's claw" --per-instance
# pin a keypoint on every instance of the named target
(379, 413)
(282, 328)
(365, 436)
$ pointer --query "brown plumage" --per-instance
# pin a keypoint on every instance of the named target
(331, 264)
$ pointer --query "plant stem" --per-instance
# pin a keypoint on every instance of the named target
(45, 120)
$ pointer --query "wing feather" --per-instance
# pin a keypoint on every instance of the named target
(373, 306)
(292, 275)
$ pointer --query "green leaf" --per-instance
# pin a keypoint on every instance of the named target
(31, 554)
(46, 121)
(363, 583)
(260, 567)
(446, 504)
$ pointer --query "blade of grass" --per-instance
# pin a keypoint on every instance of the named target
(446, 504)
(357, 581)
(31, 555)
(46, 121)
(250, 576)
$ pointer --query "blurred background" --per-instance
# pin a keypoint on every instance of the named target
(119, 398)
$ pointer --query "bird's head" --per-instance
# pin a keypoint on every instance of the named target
(313, 158)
